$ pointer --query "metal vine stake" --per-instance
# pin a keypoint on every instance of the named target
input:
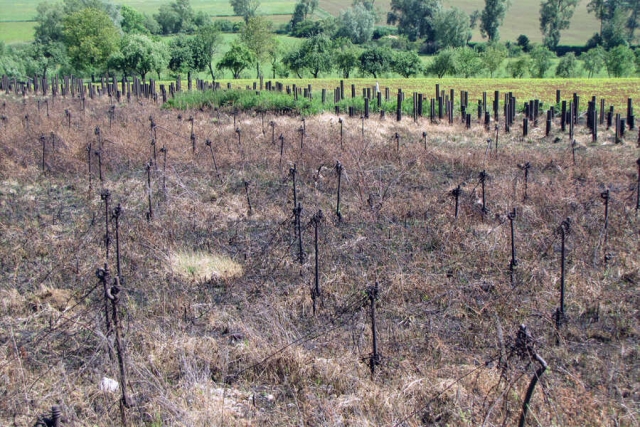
(301, 132)
(281, 138)
(525, 347)
(192, 136)
(297, 212)
(483, 178)
(43, 141)
(605, 198)
(514, 260)
(497, 129)
(341, 131)
(564, 229)
(293, 172)
(105, 196)
(273, 132)
(150, 211)
(424, 139)
(213, 157)
(456, 192)
(375, 357)
(98, 154)
(315, 296)
(163, 150)
(339, 170)
(246, 189)
(89, 151)
(525, 167)
(116, 217)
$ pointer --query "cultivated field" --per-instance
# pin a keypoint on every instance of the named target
(216, 305)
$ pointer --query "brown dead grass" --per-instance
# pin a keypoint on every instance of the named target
(217, 311)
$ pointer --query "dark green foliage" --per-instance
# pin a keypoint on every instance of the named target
(376, 61)
(414, 17)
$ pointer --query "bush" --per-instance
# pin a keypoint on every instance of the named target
(568, 66)
(523, 42)
(223, 25)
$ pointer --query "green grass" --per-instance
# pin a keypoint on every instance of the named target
(15, 32)
(249, 100)
(522, 17)
(614, 91)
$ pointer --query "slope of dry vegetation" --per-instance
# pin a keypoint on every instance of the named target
(217, 311)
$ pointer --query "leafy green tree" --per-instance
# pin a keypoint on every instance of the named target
(245, 8)
(413, 17)
(49, 23)
(518, 67)
(346, 57)
(11, 64)
(541, 60)
(293, 61)
(492, 17)
(444, 63)
(620, 61)
(357, 23)
(48, 49)
(237, 59)
(451, 28)
(257, 35)
(568, 67)
(205, 44)
(524, 42)
(468, 62)
(140, 55)
(316, 55)
(376, 61)
(132, 21)
(603, 10)
(593, 60)
(91, 37)
(176, 17)
(555, 16)
(407, 63)
(111, 9)
(181, 55)
(493, 57)
(633, 21)
(613, 32)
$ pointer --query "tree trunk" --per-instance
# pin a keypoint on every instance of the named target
(211, 71)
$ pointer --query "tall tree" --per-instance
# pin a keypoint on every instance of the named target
(413, 17)
(236, 59)
(176, 17)
(493, 57)
(48, 48)
(491, 18)
(205, 44)
(140, 55)
(357, 23)
(555, 16)
(245, 8)
(259, 38)
(633, 22)
(452, 28)
(593, 60)
(541, 60)
(91, 37)
(376, 61)
(316, 55)
(132, 21)
(604, 10)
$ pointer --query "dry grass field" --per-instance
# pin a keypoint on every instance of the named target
(216, 310)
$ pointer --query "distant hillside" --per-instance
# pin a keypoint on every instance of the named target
(522, 17)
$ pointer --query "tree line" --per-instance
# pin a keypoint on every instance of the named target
(88, 37)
